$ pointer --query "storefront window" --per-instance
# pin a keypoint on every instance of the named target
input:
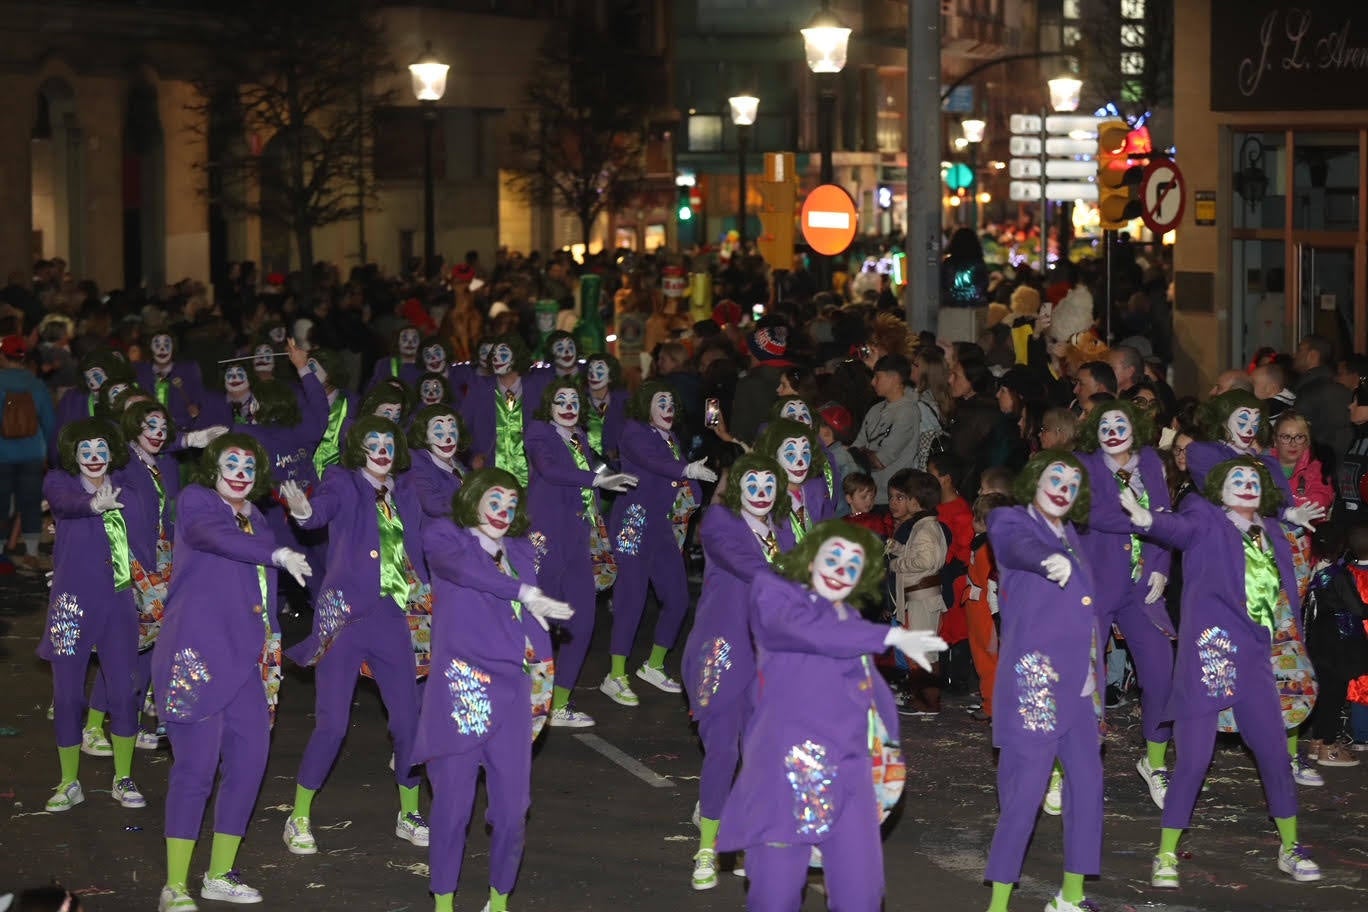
(1259, 288)
(1325, 181)
(1260, 180)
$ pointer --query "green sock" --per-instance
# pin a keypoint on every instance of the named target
(1072, 890)
(70, 759)
(1157, 752)
(619, 668)
(1292, 743)
(408, 799)
(223, 854)
(707, 829)
(657, 659)
(1287, 830)
(560, 698)
(498, 902)
(1001, 893)
(123, 755)
(442, 902)
(1168, 840)
(95, 719)
(178, 852)
(303, 801)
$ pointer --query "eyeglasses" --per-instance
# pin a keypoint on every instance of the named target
(1179, 451)
(1291, 438)
(1145, 402)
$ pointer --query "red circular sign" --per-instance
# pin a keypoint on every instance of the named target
(829, 220)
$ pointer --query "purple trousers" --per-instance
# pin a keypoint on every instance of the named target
(117, 641)
(721, 729)
(234, 741)
(99, 694)
(506, 756)
(1152, 652)
(852, 862)
(382, 640)
(573, 583)
(1260, 719)
(658, 563)
(1023, 775)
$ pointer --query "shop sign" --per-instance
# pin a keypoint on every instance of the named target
(1204, 207)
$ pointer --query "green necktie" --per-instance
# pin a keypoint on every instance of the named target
(393, 580)
(1123, 478)
(117, 533)
(1262, 581)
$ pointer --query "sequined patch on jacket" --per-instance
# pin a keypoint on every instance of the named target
(1036, 701)
(633, 525)
(1216, 656)
(811, 777)
(64, 624)
(471, 708)
(189, 675)
(717, 661)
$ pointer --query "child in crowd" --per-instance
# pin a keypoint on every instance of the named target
(860, 491)
(997, 480)
(916, 553)
(834, 431)
(957, 516)
(1335, 637)
(981, 603)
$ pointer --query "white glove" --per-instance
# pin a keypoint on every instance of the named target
(198, 440)
(1304, 515)
(296, 500)
(699, 471)
(615, 481)
(293, 563)
(1141, 517)
(1157, 582)
(48, 576)
(543, 606)
(917, 645)
(106, 498)
(1057, 569)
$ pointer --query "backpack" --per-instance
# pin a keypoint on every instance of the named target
(21, 416)
(932, 440)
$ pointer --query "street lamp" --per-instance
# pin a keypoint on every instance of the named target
(743, 112)
(974, 129)
(825, 41)
(429, 85)
(1065, 93)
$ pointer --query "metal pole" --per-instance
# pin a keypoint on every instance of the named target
(1109, 241)
(973, 187)
(1043, 222)
(826, 137)
(742, 134)
(923, 165)
(429, 211)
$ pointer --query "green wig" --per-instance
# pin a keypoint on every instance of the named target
(549, 397)
(1142, 427)
(131, 421)
(354, 449)
(115, 366)
(209, 463)
(755, 461)
(276, 403)
(778, 431)
(91, 429)
(418, 427)
(389, 391)
(465, 506)
(639, 406)
(1216, 411)
(1029, 480)
(614, 368)
(429, 376)
(796, 565)
(522, 358)
(333, 366)
(1271, 496)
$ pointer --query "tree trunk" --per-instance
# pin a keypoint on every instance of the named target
(303, 232)
(586, 220)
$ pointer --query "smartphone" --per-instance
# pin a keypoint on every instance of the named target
(712, 413)
(757, 311)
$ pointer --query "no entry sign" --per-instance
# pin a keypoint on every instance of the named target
(1163, 195)
(829, 220)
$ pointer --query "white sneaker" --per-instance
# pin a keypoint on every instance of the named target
(565, 717)
(1054, 795)
(1297, 862)
(697, 815)
(618, 690)
(1060, 904)
(95, 744)
(1164, 871)
(299, 837)
(66, 797)
(125, 791)
(1304, 773)
(411, 827)
(1157, 778)
(148, 741)
(175, 899)
(230, 889)
(705, 870)
(657, 678)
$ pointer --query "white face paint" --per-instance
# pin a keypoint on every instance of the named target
(390, 410)
(408, 342)
(565, 408)
(1242, 427)
(797, 410)
(598, 375)
(434, 359)
(795, 456)
(443, 437)
(1114, 432)
(379, 450)
(482, 353)
(95, 378)
(263, 360)
(564, 355)
(237, 474)
(430, 391)
(92, 457)
(501, 359)
(317, 370)
(497, 509)
(1241, 489)
(115, 390)
(152, 436)
(277, 335)
(162, 348)
(837, 568)
(1057, 489)
(235, 379)
(758, 490)
(663, 411)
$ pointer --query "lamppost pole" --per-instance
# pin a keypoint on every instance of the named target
(429, 85)
(825, 42)
(744, 109)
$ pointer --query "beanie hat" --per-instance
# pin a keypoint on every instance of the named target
(769, 343)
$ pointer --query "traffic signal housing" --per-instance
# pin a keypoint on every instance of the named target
(1119, 173)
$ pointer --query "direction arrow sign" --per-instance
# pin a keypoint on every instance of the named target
(1025, 124)
(1067, 192)
(1066, 124)
(829, 220)
(1026, 168)
(1163, 195)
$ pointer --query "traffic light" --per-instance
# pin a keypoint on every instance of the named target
(685, 203)
(1119, 173)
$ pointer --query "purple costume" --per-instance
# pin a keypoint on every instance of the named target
(290, 450)
(176, 389)
(354, 622)
(719, 661)
(76, 403)
(1204, 455)
(479, 410)
(1049, 705)
(806, 779)
(1107, 544)
(644, 538)
(435, 483)
(1223, 657)
(209, 667)
(407, 371)
(478, 710)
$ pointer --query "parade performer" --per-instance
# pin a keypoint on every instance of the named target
(463, 373)
(97, 368)
(236, 405)
(403, 365)
(370, 596)
(495, 409)
(492, 661)
(742, 536)
(795, 447)
(562, 363)
(1228, 620)
(648, 525)
(823, 720)
(1233, 425)
(606, 404)
(1050, 674)
(216, 665)
(574, 554)
(435, 389)
(177, 385)
(330, 370)
(434, 438)
(92, 605)
(1136, 569)
(795, 408)
(264, 359)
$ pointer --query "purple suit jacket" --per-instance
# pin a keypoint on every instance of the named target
(1048, 633)
(646, 455)
(409, 372)
(185, 389)
(1203, 456)
(555, 502)
(215, 627)
(76, 404)
(142, 507)
(291, 448)
(479, 644)
(477, 409)
(434, 484)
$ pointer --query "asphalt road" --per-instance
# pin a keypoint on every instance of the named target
(602, 838)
